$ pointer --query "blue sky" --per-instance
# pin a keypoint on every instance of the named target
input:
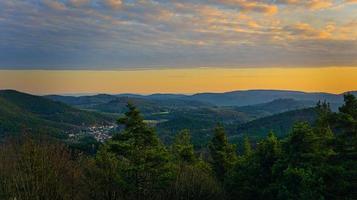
(116, 34)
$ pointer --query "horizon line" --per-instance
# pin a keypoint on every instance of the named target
(167, 67)
(159, 93)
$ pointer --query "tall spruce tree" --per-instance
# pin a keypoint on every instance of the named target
(182, 148)
(247, 147)
(345, 124)
(147, 168)
(222, 152)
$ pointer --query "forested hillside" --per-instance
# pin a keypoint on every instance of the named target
(55, 114)
(20, 112)
(280, 124)
(315, 161)
(170, 113)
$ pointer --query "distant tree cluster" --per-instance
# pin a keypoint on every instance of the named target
(313, 162)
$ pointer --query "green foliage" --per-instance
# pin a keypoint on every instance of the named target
(350, 106)
(243, 181)
(313, 162)
(301, 145)
(147, 169)
(247, 147)
(32, 169)
(20, 113)
(345, 160)
(223, 154)
(280, 123)
(195, 182)
(300, 183)
(102, 175)
(182, 148)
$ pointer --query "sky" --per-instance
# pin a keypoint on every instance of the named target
(183, 80)
(168, 37)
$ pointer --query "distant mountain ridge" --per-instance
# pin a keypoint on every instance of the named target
(251, 97)
(274, 107)
(233, 98)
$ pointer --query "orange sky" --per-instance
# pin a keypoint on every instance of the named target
(329, 79)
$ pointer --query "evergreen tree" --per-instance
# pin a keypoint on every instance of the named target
(350, 106)
(305, 165)
(182, 148)
(252, 176)
(322, 124)
(300, 183)
(301, 146)
(194, 178)
(103, 177)
(222, 152)
(147, 170)
(247, 147)
(347, 124)
(345, 162)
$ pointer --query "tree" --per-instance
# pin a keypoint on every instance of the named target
(300, 183)
(345, 162)
(222, 152)
(182, 148)
(346, 122)
(194, 178)
(147, 168)
(304, 168)
(39, 169)
(195, 182)
(252, 176)
(103, 176)
(267, 154)
(350, 105)
(301, 146)
(247, 147)
(322, 124)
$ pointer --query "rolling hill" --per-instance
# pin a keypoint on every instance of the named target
(234, 98)
(274, 107)
(20, 112)
(251, 97)
(280, 124)
(169, 113)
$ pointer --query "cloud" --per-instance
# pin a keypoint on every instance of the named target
(306, 31)
(310, 4)
(114, 4)
(54, 4)
(252, 6)
(187, 32)
(78, 3)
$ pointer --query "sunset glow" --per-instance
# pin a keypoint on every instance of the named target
(332, 79)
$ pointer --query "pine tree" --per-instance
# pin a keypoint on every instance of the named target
(147, 168)
(247, 147)
(345, 124)
(222, 152)
(301, 146)
(103, 176)
(182, 148)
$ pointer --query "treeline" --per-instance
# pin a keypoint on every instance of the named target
(318, 162)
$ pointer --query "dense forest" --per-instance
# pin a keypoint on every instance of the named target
(316, 161)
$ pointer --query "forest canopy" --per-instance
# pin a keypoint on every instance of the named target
(316, 161)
